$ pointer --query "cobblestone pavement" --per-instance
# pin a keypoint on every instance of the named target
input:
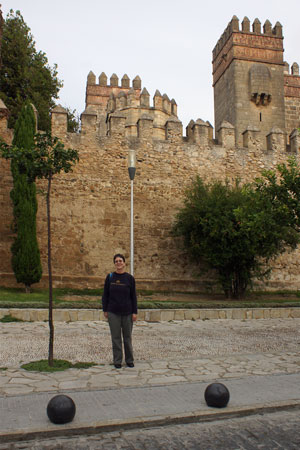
(165, 353)
(265, 432)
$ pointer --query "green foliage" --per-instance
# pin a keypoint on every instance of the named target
(235, 230)
(46, 158)
(73, 123)
(26, 261)
(282, 189)
(8, 318)
(58, 365)
(25, 72)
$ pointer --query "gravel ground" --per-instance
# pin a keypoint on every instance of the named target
(90, 341)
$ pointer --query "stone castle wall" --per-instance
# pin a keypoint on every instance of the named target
(91, 205)
(292, 97)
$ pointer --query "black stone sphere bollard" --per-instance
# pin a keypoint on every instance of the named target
(61, 409)
(217, 395)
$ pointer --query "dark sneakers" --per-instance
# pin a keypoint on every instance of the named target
(118, 366)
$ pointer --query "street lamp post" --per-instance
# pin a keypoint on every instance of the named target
(131, 171)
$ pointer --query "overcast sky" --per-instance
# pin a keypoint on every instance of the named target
(168, 43)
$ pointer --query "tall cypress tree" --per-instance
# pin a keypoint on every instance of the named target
(26, 261)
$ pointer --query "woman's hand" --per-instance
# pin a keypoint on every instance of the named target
(106, 315)
(134, 317)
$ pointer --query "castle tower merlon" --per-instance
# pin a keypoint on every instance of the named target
(286, 69)
(157, 100)
(88, 120)
(226, 135)
(137, 83)
(125, 82)
(145, 98)
(102, 79)
(201, 132)
(133, 98)
(276, 140)
(59, 121)
(267, 28)
(246, 25)
(295, 69)
(277, 30)
(256, 26)
(116, 124)
(167, 104)
(121, 100)
(91, 78)
(295, 141)
(210, 131)
(251, 137)
(174, 107)
(189, 130)
(114, 80)
(145, 127)
(173, 130)
(111, 105)
(234, 24)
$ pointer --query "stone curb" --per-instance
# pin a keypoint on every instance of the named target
(153, 315)
(152, 421)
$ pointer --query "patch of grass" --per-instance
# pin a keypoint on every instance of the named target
(68, 291)
(147, 299)
(39, 298)
(9, 318)
(58, 365)
(3, 368)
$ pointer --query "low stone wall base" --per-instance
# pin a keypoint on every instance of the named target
(153, 315)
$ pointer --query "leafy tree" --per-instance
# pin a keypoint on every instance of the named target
(26, 261)
(44, 160)
(25, 72)
(73, 120)
(282, 189)
(235, 230)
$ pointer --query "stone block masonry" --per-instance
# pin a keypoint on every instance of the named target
(91, 206)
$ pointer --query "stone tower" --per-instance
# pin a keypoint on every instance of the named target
(248, 78)
(120, 105)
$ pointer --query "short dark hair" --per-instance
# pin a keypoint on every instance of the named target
(118, 255)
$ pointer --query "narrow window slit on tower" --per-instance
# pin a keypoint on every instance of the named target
(260, 117)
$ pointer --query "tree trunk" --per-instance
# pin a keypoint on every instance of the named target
(239, 286)
(51, 326)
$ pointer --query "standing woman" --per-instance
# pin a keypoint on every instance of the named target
(119, 304)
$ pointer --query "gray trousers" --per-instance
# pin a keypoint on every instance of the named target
(121, 325)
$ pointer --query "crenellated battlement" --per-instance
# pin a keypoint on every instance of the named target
(262, 45)
(127, 104)
(291, 80)
(198, 133)
(234, 27)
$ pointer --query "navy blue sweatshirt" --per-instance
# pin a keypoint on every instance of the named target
(119, 296)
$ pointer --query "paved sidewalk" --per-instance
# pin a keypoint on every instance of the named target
(258, 361)
(111, 409)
